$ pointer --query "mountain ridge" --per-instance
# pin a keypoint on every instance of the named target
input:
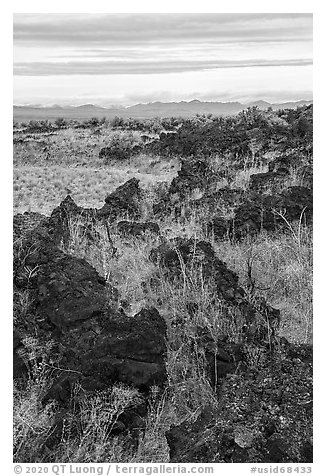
(145, 110)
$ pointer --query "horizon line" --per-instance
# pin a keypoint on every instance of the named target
(121, 106)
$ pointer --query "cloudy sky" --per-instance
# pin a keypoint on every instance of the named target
(128, 58)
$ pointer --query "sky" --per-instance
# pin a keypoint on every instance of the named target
(124, 59)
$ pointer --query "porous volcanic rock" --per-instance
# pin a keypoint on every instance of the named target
(67, 216)
(294, 161)
(251, 218)
(114, 154)
(127, 349)
(194, 174)
(124, 201)
(112, 348)
(61, 284)
(264, 212)
(77, 310)
(264, 416)
(69, 290)
(283, 161)
(270, 182)
(296, 202)
(128, 228)
(70, 218)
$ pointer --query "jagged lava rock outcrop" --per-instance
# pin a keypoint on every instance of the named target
(123, 201)
(75, 308)
(181, 258)
(264, 212)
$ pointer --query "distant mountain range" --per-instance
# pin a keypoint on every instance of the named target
(144, 111)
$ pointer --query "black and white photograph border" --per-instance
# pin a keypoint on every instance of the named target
(162, 199)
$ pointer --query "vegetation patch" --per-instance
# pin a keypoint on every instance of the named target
(163, 289)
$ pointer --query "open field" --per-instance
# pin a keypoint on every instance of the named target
(42, 188)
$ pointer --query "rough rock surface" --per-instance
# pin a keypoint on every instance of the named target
(263, 212)
(69, 290)
(180, 253)
(263, 416)
(77, 309)
(295, 202)
(123, 201)
(251, 218)
(269, 182)
(69, 215)
(194, 174)
(112, 348)
(283, 161)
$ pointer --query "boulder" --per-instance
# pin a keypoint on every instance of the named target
(115, 153)
(194, 173)
(130, 350)
(109, 349)
(69, 290)
(290, 160)
(124, 201)
(283, 161)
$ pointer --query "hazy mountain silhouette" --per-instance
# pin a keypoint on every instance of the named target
(144, 111)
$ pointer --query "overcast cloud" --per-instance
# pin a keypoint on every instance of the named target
(141, 46)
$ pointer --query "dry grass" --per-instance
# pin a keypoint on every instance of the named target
(281, 269)
(281, 265)
(46, 166)
(67, 147)
(41, 188)
(242, 177)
